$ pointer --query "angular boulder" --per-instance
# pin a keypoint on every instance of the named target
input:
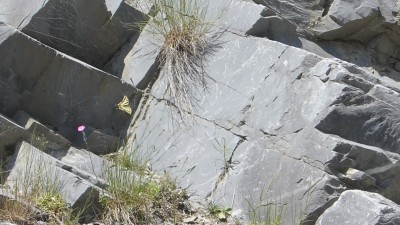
(49, 81)
(31, 168)
(91, 30)
(361, 208)
(269, 131)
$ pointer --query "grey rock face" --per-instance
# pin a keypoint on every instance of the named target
(74, 92)
(30, 162)
(11, 133)
(36, 80)
(362, 32)
(282, 126)
(293, 131)
(87, 165)
(40, 135)
(91, 31)
(361, 208)
(299, 12)
(373, 23)
(136, 63)
(249, 132)
(279, 141)
(380, 132)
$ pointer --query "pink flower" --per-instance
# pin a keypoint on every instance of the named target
(81, 128)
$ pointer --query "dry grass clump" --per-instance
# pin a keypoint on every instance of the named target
(36, 196)
(13, 211)
(189, 38)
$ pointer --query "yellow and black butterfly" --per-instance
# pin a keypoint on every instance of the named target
(124, 105)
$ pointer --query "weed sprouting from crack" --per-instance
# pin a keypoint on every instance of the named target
(136, 195)
(36, 192)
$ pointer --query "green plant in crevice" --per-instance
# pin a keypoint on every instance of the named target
(132, 160)
(48, 198)
(52, 203)
(37, 185)
(39, 140)
(270, 208)
(135, 195)
(11, 209)
(220, 212)
(189, 37)
(134, 200)
(269, 214)
(127, 198)
(45, 193)
(3, 170)
(266, 211)
(227, 160)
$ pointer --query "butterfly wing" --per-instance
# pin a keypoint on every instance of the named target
(124, 105)
(126, 109)
(124, 101)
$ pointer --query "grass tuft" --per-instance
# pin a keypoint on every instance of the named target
(268, 210)
(269, 214)
(52, 203)
(37, 190)
(220, 212)
(189, 38)
(135, 195)
(13, 211)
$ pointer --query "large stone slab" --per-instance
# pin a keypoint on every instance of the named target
(91, 31)
(372, 22)
(40, 135)
(269, 113)
(267, 176)
(373, 121)
(361, 32)
(136, 62)
(49, 81)
(10, 134)
(31, 168)
(87, 165)
(195, 156)
(230, 15)
(258, 116)
(265, 99)
(361, 208)
(301, 13)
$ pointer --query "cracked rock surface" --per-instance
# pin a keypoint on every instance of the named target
(300, 113)
(359, 207)
(297, 128)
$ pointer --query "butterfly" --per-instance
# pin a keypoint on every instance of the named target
(124, 105)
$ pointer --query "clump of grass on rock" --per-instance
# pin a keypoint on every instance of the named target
(38, 196)
(136, 195)
(189, 38)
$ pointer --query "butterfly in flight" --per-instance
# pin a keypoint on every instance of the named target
(124, 105)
